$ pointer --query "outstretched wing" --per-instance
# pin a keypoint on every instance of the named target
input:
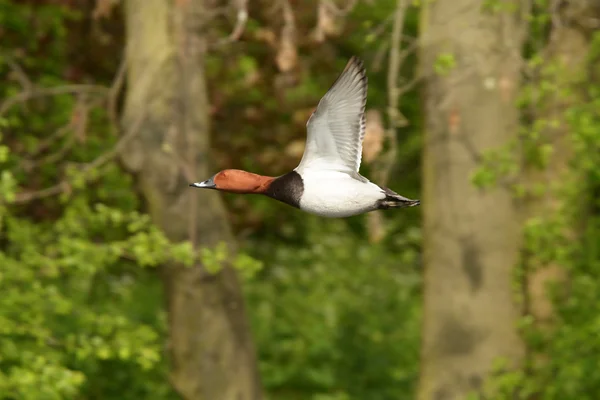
(335, 131)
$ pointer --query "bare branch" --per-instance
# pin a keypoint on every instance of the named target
(47, 142)
(19, 73)
(240, 24)
(555, 14)
(115, 89)
(76, 128)
(127, 137)
(287, 54)
(26, 197)
(328, 16)
(395, 63)
(51, 91)
(383, 170)
(384, 48)
(30, 164)
(412, 47)
(64, 186)
(340, 11)
(79, 124)
(104, 8)
(382, 27)
(410, 85)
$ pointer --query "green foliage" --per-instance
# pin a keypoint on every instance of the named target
(58, 329)
(500, 6)
(78, 317)
(572, 348)
(497, 165)
(444, 64)
(336, 317)
(563, 357)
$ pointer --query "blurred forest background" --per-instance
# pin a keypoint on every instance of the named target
(118, 281)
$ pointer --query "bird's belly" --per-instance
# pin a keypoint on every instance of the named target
(334, 200)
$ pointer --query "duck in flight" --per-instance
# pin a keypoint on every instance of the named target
(326, 182)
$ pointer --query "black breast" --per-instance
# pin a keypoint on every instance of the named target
(287, 188)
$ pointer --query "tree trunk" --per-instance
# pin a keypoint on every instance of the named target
(210, 344)
(471, 236)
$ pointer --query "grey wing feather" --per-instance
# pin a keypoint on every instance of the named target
(336, 129)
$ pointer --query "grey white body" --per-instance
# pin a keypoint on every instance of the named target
(335, 194)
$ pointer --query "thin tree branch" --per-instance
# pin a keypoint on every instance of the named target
(287, 53)
(47, 142)
(51, 91)
(115, 89)
(340, 11)
(29, 165)
(240, 24)
(75, 127)
(65, 186)
(375, 222)
(382, 50)
(20, 74)
(395, 63)
(408, 86)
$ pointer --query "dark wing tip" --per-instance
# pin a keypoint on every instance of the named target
(357, 64)
(355, 60)
(355, 74)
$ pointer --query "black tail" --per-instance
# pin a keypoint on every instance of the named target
(394, 200)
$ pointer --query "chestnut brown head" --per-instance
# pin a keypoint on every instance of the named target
(236, 181)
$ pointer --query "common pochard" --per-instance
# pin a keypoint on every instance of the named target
(326, 182)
